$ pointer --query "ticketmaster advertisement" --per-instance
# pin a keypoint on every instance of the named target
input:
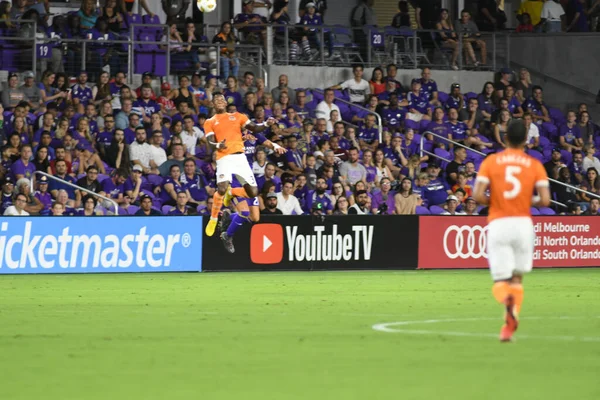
(41, 245)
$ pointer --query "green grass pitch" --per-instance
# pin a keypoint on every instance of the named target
(296, 336)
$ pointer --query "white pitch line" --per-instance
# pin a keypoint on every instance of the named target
(388, 328)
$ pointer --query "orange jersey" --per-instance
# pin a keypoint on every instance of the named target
(512, 176)
(227, 127)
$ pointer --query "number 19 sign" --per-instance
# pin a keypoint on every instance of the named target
(44, 51)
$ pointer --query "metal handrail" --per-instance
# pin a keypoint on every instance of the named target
(379, 120)
(74, 186)
(483, 154)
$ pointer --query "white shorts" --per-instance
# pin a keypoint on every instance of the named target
(510, 245)
(235, 164)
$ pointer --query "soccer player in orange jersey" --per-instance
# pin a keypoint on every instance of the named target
(226, 130)
(512, 177)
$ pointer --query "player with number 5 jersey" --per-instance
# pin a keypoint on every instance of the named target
(512, 178)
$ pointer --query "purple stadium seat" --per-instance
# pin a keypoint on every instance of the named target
(470, 95)
(123, 211)
(536, 154)
(535, 211)
(157, 209)
(317, 97)
(132, 209)
(436, 210)
(557, 116)
(157, 203)
(423, 125)
(546, 143)
(131, 19)
(148, 56)
(149, 193)
(550, 131)
(422, 210)
(546, 211)
(155, 180)
(165, 209)
(443, 97)
(443, 153)
(102, 177)
(567, 157)
(410, 124)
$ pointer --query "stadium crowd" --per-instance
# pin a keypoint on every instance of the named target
(144, 147)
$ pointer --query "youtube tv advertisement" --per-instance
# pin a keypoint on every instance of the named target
(460, 242)
(318, 243)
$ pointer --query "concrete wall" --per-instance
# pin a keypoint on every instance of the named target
(320, 77)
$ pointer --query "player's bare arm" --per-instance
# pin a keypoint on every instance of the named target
(479, 195)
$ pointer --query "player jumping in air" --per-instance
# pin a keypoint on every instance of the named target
(227, 131)
(511, 176)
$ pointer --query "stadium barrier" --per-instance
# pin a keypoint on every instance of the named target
(36, 245)
(460, 242)
(319, 243)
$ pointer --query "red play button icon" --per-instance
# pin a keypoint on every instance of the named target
(266, 244)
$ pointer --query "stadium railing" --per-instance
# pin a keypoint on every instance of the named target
(31, 186)
(353, 105)
(423, 151)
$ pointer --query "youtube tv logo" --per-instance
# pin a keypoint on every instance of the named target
(266, 244)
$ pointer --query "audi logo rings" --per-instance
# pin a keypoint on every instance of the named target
(473, 247)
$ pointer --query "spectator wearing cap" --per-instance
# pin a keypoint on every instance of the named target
(250, 23)
(554, 164)
(470, 207)
(31, 90)
(81, 93)
(436, 190)
(42, 193)
(360, 207)
(12, 95)
(147, 104)
(23, 167)
(406, 201)
(6, 199)
(383, 201)
(271, 205)
(418, 103)
(503, 82)
(352, 171)
(451, 206)
(537, 107)
(146, 209)
(569, 134)
(133, 185)
(18, 209)
(140, 152)
(167, 105)
(90, 180)
(114, 188)
(61, 173)
(319, 195)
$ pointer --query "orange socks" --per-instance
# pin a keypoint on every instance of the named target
(516, 289)
(239, 192)
(217, 204)
(501, 290)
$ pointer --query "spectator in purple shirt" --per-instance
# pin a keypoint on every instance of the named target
(458, 128)
(456, 99)
(570, 136)
(393, 116)
(146, 104)
(487, 100)
(319, 195)
(23, 167)
(56, 186)
(368, 135)
(537, 107)
(171, 186)
(296, 161)
(439, 127)
(42, 193)
(114, 188)
(181, 205)
(418, 103)
(383, 202)
(81, 93)
(269, 176)
(514, 105)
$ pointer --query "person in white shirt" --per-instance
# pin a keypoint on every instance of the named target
(358, 88)
(287, 202)
(451, 205)
(533, 132)
(158, 155)
(190, 135)
(325, 107)
(18, 209)
(551, 15)
(589, 160)
(259, 165)
(140, 151)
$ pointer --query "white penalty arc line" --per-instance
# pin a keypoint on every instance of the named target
(391, 327)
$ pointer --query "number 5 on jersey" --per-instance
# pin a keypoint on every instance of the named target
(511, 177)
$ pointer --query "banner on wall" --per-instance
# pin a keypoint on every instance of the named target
(37, 245)
(460, 242)
(308, 243)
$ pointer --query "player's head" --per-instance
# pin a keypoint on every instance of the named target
(219, 102)
(516, 133)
